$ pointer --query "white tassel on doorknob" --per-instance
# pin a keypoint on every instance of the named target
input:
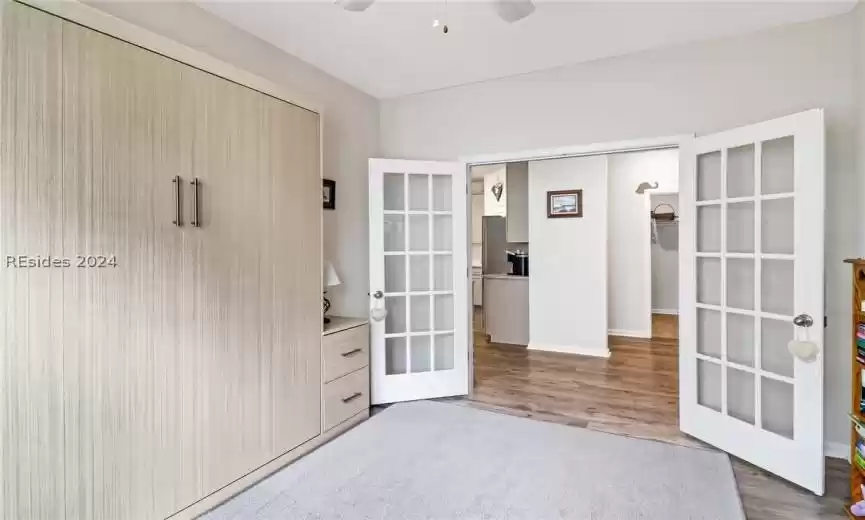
(378, 314)
(805, 350)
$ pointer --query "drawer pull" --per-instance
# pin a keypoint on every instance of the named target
(352, 352)
(352, 397)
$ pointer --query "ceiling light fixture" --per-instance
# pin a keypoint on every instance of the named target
(355, 6)
(508, 10)
(513, 10)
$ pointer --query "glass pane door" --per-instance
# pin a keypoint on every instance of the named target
(418, 227)
(745, 285)
(419, 273)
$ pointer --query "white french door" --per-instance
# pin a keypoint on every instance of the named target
(751, 262)
(418, 247)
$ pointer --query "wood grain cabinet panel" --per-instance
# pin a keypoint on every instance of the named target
(31, 360)
(132, 434)
(345, 398)
(257, 295)
(131, 392)
(292, 232)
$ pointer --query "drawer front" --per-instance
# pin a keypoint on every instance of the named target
(345, 397)
(344, 352)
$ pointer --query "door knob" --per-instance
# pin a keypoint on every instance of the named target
(803, 320)
(378, 311)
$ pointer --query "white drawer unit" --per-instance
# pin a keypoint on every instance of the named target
(344, 370)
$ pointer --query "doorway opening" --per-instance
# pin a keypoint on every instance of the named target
(664, 224)
(529, 358)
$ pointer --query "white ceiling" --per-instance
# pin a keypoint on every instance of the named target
(392, 50)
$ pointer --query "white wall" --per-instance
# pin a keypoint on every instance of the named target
(699, 87)
(567, 286)
(494, 173)
(350, 125)
(665, 261)
(629, 244)
(859, 21)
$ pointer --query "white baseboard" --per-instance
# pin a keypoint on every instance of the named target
(836, 450)
(631, 333)
(672, 312)
(566, 349)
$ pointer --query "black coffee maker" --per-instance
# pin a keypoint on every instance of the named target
(519, 261)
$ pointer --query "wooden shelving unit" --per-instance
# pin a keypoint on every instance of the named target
(857, 475)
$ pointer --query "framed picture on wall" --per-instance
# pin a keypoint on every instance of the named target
(565, 204)
(328, 194)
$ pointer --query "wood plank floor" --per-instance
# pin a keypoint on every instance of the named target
(634, 393)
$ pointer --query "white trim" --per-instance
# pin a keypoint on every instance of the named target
(632, 145)
(671, 312)
(631, 333)
(647, 271)
(566, 349)
(93, 18)
(837, 450)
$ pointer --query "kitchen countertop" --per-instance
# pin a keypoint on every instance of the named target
(505, 277)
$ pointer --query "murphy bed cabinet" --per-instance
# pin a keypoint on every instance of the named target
(182, 362)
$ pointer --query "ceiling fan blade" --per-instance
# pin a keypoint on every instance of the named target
(354, 5)
(513, 10)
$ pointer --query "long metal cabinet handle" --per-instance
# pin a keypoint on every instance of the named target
(196, 184)
(352, 397)
(177, 219)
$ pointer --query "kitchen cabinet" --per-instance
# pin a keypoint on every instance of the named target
(477, 287)
(517, 213)
(506, 315)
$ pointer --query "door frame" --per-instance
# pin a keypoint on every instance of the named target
(542, 154)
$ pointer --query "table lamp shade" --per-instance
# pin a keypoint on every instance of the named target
(331, 279)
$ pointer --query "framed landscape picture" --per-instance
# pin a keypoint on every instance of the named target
(565, 204)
